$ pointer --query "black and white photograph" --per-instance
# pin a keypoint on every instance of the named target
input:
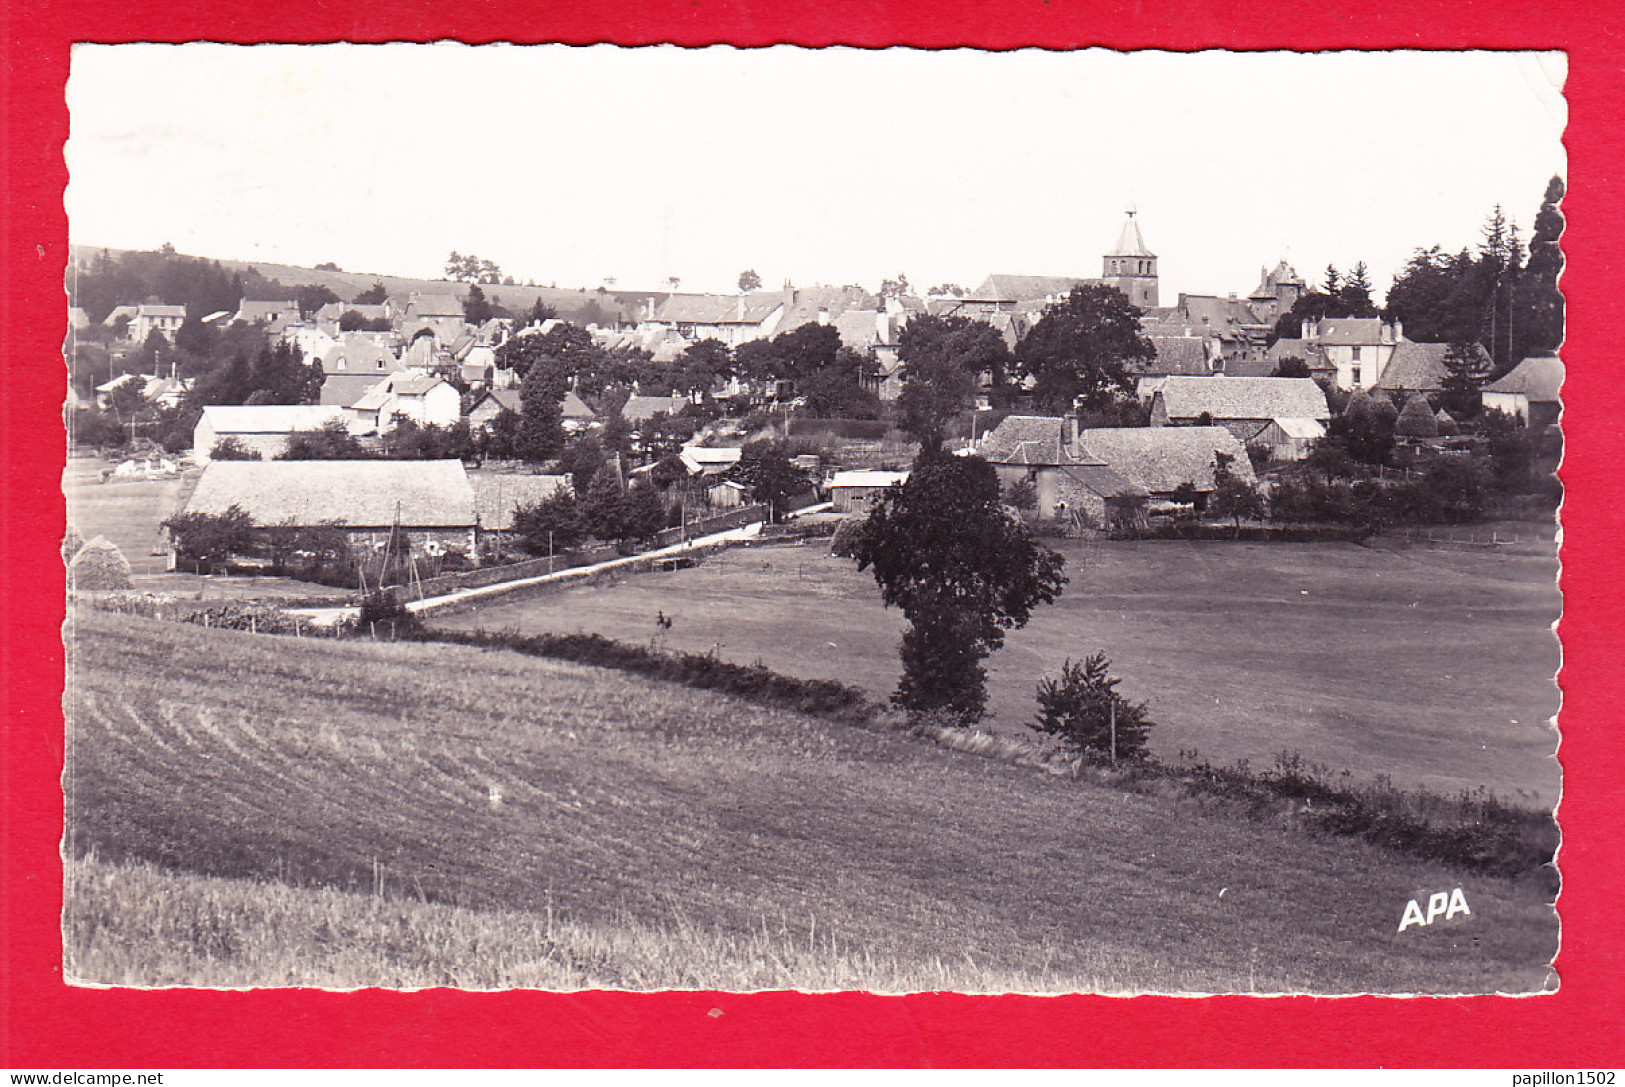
(651, 518)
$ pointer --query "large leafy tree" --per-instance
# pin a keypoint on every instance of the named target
(765, 470)
(962, 569)
(1080, 350)
(943, 358)
(540, 433)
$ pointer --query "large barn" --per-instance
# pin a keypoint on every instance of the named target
(431, 502)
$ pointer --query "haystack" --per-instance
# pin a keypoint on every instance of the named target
(99, 567)
(1448, 427)
(1417, 420)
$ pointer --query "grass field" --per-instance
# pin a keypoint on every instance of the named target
(1433, 667)
(268, 810)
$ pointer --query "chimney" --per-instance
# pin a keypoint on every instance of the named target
(1399, 331)
(1308, 331)
(1069, 430)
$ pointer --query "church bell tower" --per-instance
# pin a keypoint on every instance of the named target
(1131, 267)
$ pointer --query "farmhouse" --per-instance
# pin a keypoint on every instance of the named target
(428, 501)
(263, 429)
(1529, 391)
(854, 492)
(1419, 367)
(1069, 483)
(1161, 459)
(1284, 413)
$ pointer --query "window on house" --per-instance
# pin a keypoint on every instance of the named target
(1357, 351)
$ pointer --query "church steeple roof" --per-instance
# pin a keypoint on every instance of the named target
(1129, 242)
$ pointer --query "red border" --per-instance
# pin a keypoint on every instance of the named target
(43, 1023)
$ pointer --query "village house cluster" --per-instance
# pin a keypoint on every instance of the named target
(1211, 393)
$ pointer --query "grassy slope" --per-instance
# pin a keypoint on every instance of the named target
(500, 783)
(349, 284)
(1434, 667)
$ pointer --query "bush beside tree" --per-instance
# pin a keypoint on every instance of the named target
(1083, 709)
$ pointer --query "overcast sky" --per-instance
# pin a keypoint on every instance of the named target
(571, 165)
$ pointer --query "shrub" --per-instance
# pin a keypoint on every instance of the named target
(210, 538)
(99, 567)
(846, 537)
(1082, 708)
(229, 448)
(1022, 494)
(383, 613)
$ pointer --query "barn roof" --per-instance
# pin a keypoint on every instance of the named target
(358, 493)
(1224, 397)
(866, 478)
(498, 495)
(1159, 459)
(1105, 481)
(1539, 379)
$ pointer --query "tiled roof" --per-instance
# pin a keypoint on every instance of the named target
(1159, 459)
(360, 356)
(718, 309)
(361, 493)
(1104, 481)
(269, 418)
(171, 311)
(259, 311)
(1177, 355)
(1243, 398)
(414, 384)
(1539, 379)
(573, 407)
(1419, 366)
(638, 409)
(434, 305)
(1031, 440)
(505, 399)
(1350, 331)
(1227, 318)
(1010, 288)
(498, 495)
